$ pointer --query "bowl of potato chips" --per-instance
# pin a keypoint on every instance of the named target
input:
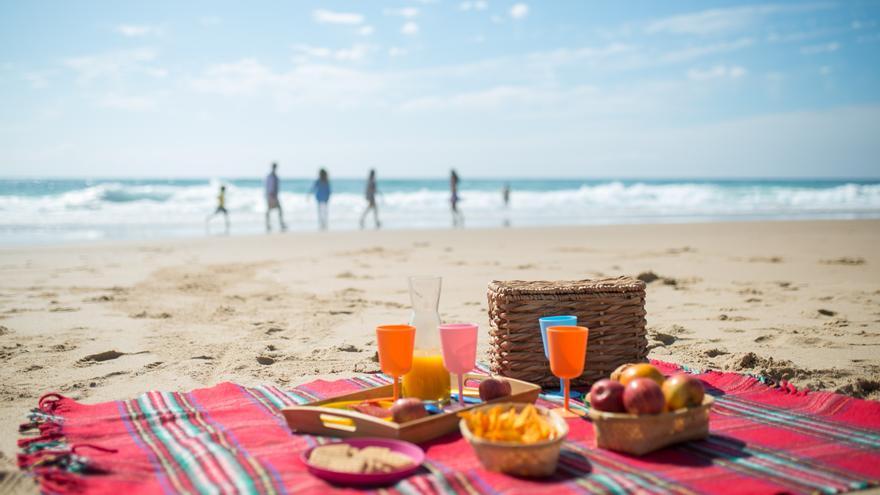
(515, 438)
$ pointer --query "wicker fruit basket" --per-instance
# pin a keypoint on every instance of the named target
(612, 308)
(646, 433)
(533, 460)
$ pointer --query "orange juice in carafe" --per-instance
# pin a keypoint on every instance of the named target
(427, 379)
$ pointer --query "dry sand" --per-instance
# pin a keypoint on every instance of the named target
(792, 300)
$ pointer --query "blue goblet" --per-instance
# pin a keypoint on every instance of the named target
(557, 321)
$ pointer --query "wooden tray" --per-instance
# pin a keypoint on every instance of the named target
(316, 420)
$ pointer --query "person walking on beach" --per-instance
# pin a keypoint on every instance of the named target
(457, 217)
(505, 196)
(321, 190)
(221, 209)
(273, 185)
(370, 195)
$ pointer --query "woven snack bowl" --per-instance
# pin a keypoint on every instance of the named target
(641, 434)
(521, 459)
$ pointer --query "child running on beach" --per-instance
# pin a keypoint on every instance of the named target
(321, 190)
(221, 209)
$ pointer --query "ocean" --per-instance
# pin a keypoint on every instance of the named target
(63, 210)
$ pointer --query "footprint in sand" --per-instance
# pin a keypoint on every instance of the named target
(724, 317)
(716, 352)
(765, 259)
(101, 357)
(63, 309)
(845, 261)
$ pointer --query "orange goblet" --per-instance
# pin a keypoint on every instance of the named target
(396, 351)
(568, 351)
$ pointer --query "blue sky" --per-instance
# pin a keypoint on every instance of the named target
(493, 88)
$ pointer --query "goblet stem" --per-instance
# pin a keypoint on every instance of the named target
(396, 388)
(566, 385)
(460, 390)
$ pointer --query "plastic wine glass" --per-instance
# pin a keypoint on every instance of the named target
(557, 321)
(459, 345)
(396, 351)
(568, 351)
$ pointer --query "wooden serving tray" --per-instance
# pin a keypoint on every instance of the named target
(314, 419)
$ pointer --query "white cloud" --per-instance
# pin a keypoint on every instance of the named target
(128, 102)
(366, 30)
(329, 17)
(407, 12)
(821, 48)
(115, 64)
(715, 21)
(37, 80)
(305, 53)
(135, 30)
(473, 5)
(697, 51)
(717, 72)
(410, 28)
(519, 11)
(304, 84)
(396, 51)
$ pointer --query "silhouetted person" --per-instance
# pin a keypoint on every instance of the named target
(221, 209)
(370, 195)
(457, 217)
(321, 190)
(273, 186)
(505, 196)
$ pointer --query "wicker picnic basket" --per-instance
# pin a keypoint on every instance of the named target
(612, 308)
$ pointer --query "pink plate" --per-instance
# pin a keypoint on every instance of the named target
(413, 451)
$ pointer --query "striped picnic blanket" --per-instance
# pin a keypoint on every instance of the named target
(232, 439)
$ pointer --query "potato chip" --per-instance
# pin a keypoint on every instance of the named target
(500, 424)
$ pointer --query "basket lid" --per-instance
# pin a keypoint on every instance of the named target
(620, 285)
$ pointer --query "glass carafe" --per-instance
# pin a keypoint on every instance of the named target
(428, 379)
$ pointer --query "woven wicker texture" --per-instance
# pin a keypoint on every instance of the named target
(613, 309)
(640, 435)
(533, 460)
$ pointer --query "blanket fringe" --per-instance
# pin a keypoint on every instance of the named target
(47, 455)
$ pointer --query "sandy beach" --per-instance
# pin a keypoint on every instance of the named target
(790, 300)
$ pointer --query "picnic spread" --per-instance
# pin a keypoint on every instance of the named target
(436, 421)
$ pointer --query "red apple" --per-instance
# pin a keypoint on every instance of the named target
(494, 388)
(643, 396)
(607, 395)
(408, 409)
(682, 390)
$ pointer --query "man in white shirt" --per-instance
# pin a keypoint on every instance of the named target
(273, 185)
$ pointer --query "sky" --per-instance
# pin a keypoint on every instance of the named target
(493, 88)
